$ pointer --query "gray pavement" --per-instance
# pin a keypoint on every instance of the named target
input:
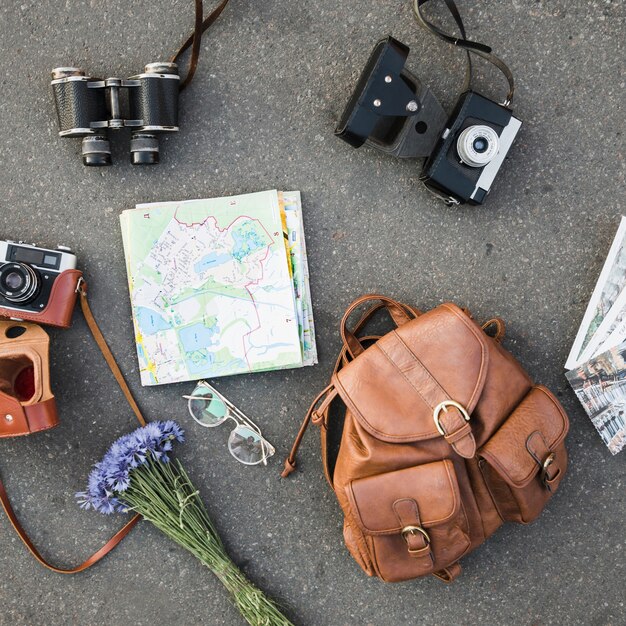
(273, 79)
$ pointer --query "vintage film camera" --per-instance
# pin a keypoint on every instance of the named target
(37, 284)
(392, 111)
(88, 107)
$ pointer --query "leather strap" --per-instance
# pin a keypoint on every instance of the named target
(4, 498)
(472, 47)
(500, 328)
(549, 462)
(92, 560)
(457, 432)
(450, 573)
(417, 539)
(106, 351)
(400, 313)
(290, 461)
(194, 40)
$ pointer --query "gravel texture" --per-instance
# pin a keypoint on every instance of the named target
(273, 79)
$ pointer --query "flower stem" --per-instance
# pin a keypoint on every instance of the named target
(163, 494)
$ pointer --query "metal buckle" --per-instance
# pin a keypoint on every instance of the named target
(545, 465)
(412, 530)
(79, 285)
(443, 406)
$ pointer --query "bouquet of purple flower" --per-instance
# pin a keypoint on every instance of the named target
(136, 474)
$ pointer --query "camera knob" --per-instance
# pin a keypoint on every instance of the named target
(64, 248)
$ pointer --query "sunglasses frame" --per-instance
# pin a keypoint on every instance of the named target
(238, 416)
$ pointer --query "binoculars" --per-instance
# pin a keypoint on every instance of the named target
(89, 107)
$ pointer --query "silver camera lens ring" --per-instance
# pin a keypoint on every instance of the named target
(19, 293)
(478, 145)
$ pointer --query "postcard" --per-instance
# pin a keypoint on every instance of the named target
(600, 385)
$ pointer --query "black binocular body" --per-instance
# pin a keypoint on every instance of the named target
(89, 107)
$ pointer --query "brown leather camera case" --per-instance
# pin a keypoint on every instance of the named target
(25, 369)
(445, 438)
(58, 311)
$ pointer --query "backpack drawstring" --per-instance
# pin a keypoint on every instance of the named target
(342, 360)
(290, 462)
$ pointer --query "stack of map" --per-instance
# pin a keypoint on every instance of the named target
(219, 286)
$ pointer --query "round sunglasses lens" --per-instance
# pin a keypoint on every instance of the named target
(247, 446)
(207, 408)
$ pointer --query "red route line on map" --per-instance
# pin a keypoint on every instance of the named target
(254, 282)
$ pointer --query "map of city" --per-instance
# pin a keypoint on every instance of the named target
(212, 288)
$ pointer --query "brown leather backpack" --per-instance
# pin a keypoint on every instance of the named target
(445, 437)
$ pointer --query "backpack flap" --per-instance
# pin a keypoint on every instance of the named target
(525, 460)
(395, 388)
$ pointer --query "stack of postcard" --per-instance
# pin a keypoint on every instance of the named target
(597, 361)
(219, 286)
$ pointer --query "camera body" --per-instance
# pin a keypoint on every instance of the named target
(37, 284)
(470, 150)
(392, 111)
(89, 107)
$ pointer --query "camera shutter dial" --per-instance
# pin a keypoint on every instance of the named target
(478, 145)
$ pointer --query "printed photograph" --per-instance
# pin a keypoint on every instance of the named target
(610, 285)
(610, 333)
(600, 385)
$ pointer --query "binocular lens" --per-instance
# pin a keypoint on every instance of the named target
(144, 149)
(18, 282)
(96, 150)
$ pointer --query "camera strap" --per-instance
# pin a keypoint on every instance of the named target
(470, 47)
(195, 39)
(117, 373)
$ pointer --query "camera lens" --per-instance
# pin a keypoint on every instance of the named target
(19, 282)
(477, 145)
(144, 149)
(480, 144)
(96, 150)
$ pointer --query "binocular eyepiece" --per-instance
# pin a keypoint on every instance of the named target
(89, 107)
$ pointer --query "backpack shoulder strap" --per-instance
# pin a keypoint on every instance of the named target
(81, 288)
(352, 347)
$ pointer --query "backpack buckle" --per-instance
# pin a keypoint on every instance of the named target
(545, 469)
(413, 530)
(443, 406)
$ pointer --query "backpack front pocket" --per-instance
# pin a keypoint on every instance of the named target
(412, 519)
(525, 460)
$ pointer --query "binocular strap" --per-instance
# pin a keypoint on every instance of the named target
(4, 498)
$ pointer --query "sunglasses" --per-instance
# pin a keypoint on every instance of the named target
(210, 408)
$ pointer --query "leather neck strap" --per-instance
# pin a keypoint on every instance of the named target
(472, 47)
(194, 40)
(4, 499)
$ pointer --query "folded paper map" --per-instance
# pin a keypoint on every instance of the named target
(219, 286)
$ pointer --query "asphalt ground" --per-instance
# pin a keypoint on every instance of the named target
(272, 82)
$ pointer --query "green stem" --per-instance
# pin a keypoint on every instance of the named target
(164, 495)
